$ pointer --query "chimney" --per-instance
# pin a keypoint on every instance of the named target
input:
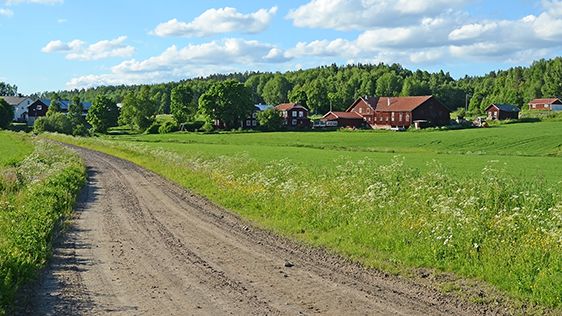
(366, 97)
(388, 101)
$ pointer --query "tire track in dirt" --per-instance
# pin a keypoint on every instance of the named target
(139, 244)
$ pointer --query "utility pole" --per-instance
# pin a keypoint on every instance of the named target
(466, 101)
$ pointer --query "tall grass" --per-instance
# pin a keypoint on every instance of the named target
(490, 226)
(35, 195)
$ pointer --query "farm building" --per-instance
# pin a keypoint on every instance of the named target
(20, 105)
(502, 112)
(343, 119)
(365, 107)
(294, 115)
(252, 120)
(401, 112)
(64, 104)
(35, 110)
(552, 104)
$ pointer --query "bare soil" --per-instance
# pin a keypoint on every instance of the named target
(139, 244)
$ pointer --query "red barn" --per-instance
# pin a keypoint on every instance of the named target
(36, 110)
(401, 112)
(502, 112)
(365, 107)
(343, 119)
(551, 104)
(294, 115)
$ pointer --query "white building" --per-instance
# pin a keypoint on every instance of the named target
(20, 105)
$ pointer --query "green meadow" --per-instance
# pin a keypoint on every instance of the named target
(484, 204)
(39, 182)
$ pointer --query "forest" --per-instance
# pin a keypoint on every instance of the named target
(336, 86)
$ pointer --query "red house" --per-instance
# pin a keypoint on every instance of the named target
(502, 112)
(552, 104)
(343, 119)
(294, 115)
(36, 110)
(401, 112)
(365, 107)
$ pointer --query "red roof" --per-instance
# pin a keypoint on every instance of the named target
(545, 101)
(290, 106)
(343, 115)
(400, 104)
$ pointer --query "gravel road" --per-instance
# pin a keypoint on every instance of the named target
(139, 244)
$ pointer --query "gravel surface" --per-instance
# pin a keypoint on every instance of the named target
(139, 244)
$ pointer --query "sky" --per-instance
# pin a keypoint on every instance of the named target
(71, 44)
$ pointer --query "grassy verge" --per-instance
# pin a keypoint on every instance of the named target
(490, 227)
(35, 195)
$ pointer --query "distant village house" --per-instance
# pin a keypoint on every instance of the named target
(552, 104)
(343, 119)
(20, 105)
(294, 115)
(401, 112)
(502, 112)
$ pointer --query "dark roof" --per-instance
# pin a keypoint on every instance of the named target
(505, 107)
(14, 100)
(290, 106)
(343, 115)
(399, 104)
(546, 101)
(65, 103)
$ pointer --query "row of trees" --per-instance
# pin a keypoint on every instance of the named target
(229, 97)
(7, 89)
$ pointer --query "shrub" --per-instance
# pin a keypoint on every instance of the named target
(80, 130)
(193, 126)
(168, 127)
(153, 128)
(207, 127)
(56, 122)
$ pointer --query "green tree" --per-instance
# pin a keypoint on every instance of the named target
(75, 110)
(103, 114)
(270, 119)
(6, 113)
(276, 90)
(228, 101)
(182, 106)
(139, 110)
(55, 106)
(298, 95)
(389, 85)
(552, 86)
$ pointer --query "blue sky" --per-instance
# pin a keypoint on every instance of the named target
(66, 44)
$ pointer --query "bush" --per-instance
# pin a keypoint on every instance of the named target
(56, 122)
(193, 126)
(80, 130)
(207, 127)
(6, 114)
(168, 127)
(153, 129)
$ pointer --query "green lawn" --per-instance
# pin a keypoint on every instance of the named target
(481, 203)
(13, 148)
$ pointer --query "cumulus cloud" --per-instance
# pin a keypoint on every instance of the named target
(217, 21)
(78, 50)
(345, 15)
(192, 60)
(6, 12)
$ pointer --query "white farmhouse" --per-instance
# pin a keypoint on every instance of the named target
(20, 105)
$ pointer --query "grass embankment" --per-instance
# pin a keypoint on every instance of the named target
(38, 187)
(395, 215)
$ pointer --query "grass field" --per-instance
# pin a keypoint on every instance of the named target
(38, 185)
(482, 203)
(13, 148)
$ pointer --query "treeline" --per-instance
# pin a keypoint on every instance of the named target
(336, 87)
(7, 89)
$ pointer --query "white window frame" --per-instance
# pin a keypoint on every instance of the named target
(294, 113)
(294, 122)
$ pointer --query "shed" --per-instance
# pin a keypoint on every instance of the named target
(344, 119)
(502, 112)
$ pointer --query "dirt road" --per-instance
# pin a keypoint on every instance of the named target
(141, 245)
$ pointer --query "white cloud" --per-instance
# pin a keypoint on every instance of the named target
(345, 15)
(77, 49)
(217, 21)
(13, 2)
(6, 12)
(192, 60)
